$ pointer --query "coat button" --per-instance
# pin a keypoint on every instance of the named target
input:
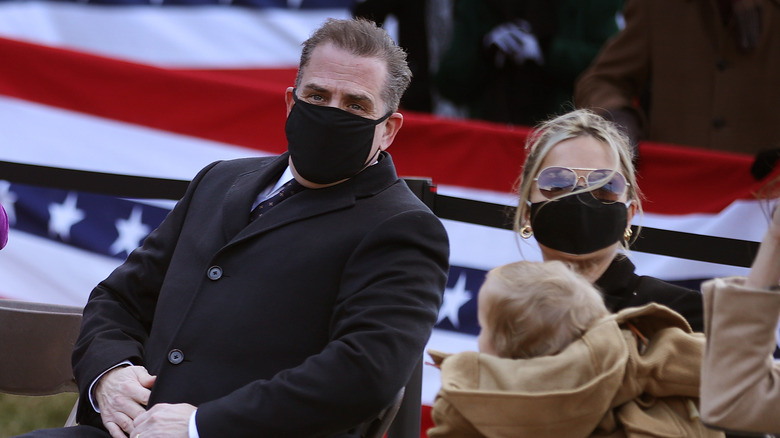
(215, 273)
(175, 356)
(718, 122)
(721, 64)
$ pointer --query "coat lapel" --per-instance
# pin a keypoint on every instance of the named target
(314, 202)
(239, 198)
(304, 205)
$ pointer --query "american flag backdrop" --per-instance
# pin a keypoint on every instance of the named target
(161, 89)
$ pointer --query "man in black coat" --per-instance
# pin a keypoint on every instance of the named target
(303, 320)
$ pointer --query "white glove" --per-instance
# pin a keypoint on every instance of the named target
(513, 40)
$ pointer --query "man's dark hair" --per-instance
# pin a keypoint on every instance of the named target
(362, 37)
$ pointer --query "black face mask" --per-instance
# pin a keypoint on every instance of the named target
(578, 224)
(328, 144)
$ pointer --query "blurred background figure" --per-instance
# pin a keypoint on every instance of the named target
(412, 36)
(701, 73)
(516, 61)
(423, 28)
(3, 227)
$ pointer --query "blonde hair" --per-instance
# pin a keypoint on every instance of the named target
(538, 308)
(577, 123)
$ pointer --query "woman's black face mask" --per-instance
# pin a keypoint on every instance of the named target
(328, 144)
(579, 223)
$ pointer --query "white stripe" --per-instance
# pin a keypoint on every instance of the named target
(485, 248)
(79, 141)
(37, 269)
(185, 37)
(447, 342)
(40, 134)
(480, 247)
(743, 219)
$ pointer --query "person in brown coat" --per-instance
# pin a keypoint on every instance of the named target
(555, 363)
(740, 380)
(705, 72)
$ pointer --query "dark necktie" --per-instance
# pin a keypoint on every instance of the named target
(288, 189)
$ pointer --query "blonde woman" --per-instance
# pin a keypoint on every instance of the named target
(578, 195)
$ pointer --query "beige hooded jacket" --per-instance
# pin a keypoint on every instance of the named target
(739, 376)
(609, 383)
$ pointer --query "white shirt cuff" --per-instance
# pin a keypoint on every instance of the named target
(94, 382)
(193, 427)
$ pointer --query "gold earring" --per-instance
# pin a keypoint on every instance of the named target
(526, 232)
(627, 234)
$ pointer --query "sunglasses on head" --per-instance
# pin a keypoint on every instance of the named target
(608, 185)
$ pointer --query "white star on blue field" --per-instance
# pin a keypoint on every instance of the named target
(454, 298)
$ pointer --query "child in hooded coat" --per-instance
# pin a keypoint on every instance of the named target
(554, 362)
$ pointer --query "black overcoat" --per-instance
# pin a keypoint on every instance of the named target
(305, 322)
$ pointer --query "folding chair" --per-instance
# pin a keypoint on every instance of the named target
(379, 426)
(36, 341)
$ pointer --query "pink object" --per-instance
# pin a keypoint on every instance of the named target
(3, 227)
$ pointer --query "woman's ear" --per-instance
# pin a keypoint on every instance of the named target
(631, 211)
(526, 217)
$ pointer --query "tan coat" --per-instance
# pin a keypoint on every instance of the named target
(704, 92)
(740, 381)
(592, 388)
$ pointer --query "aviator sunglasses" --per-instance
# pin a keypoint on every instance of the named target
(608, 185)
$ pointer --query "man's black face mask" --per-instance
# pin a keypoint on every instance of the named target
(328, 144)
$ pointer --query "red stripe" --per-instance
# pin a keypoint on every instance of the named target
(678, 180)
(246, 108)
(225, 108)
(281, 77)
(468, 154)
(426, 421)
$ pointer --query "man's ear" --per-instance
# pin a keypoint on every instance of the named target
(391, 127)
(288, 99)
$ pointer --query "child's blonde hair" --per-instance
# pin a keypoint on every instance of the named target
(538, 308)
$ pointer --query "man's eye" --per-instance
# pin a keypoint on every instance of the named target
(357, 108)
(316, 98)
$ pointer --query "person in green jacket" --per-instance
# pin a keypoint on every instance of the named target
(516, 61)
